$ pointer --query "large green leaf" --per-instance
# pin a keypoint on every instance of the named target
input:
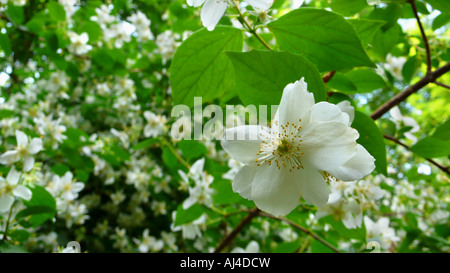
(366, 29)
(348, 7)
(324, 37)
(200, 68)
(431, 147)
(262, 75)
(372, 139)
(366, 80)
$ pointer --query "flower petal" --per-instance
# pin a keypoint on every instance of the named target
(22, 139)
(314, 188)
(295, 102)
(326, 112)
(35, 146)
(242, 182)
(211, 13)
(346, 107)
(276, 191)
(242, 143)
(28, 163)
(260, 4)
(22, 192)
(13, 176)
(327, 145)
(9, 157)
(195, 3)
(6, 202)
(358, 166)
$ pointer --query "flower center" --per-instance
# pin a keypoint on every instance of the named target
(282, 147)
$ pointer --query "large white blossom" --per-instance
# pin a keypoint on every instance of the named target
(306, 144)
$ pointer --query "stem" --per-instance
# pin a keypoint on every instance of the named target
(10, 213)
(443, 168)
(229, 238)
(424, 36)
(175, 153)
(249, 28)
(429, 77)
(307, 231)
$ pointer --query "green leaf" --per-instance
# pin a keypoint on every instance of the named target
(40, 197)
(16, 14)
(385, 40)
(20, 235)
(442, 5)
(192, 149)
(93, 30)
(366, 80)
(145, 144)
(224, 193)
(200, 68)
(189, 215)
(5, 44)
(410, 68)
(348, 7)
(441, 20)
(40, 208)
(431, 147)
(261, 76)
(358, 233)
(366, 29)
(443, 131)
(56, 11)
(371, 138)
(324, 37)
(287, 247)
(342, 83)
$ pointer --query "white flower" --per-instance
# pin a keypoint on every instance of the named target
(155, 124)
(213, 10)
(400, 120)
(23, 151)
(201, 193)
(306, 143)
(9, 189)
(66, 186)
(189, 230)
(79, 44)
(380, 231)
(395, 65)
(148, 243)
(252, 247)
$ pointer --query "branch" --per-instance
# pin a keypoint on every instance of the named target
(443, 168)
(424, 36)
(230, 237)
(442, 85)
(307, 231)
(430, 77)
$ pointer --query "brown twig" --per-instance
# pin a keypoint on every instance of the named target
(307, 231)
(442, 84)
(230, 237)
(443, 168)
(430, 77)
(424, 36)
(327, 77)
